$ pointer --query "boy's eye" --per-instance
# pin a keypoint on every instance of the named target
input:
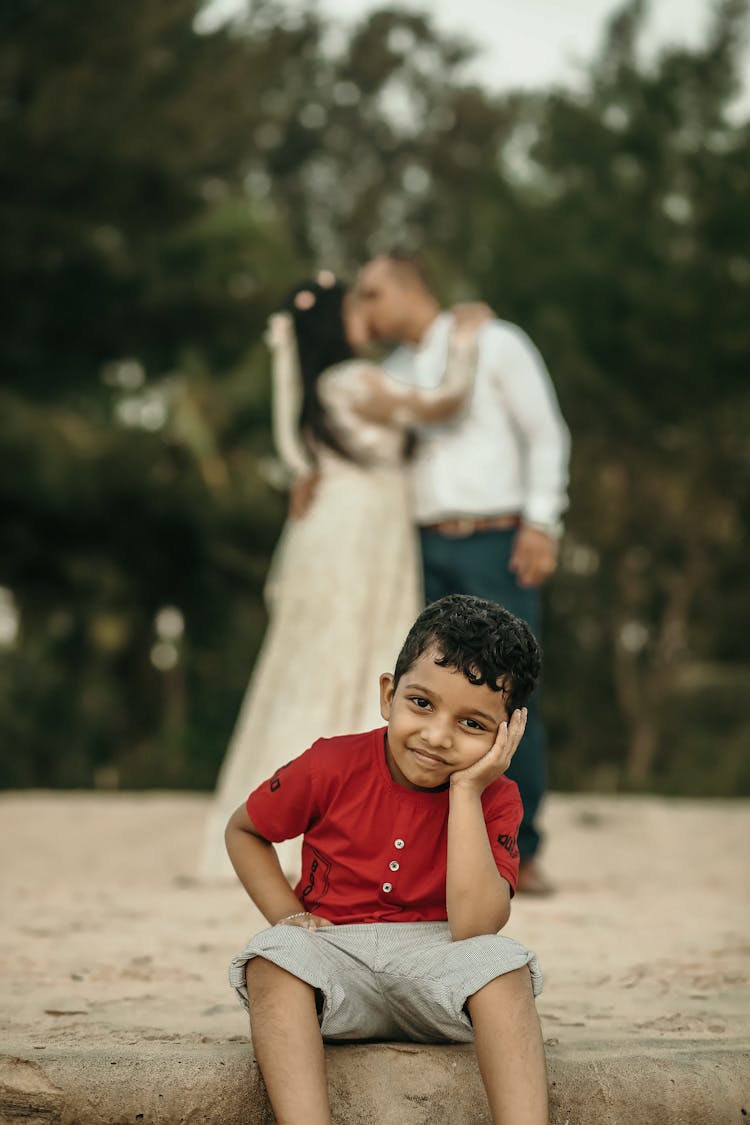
(419, 701)
(472, 724)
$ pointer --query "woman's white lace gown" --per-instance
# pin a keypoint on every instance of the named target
(343, 591)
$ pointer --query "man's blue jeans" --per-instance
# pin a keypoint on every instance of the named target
(478, 565)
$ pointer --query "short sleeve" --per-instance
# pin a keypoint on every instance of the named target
(502, 815)
(285, 805)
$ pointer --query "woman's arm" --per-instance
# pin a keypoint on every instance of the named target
(388, 402)
(286, 401)
(477, 895)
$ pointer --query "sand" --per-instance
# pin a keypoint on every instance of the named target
(108, 940)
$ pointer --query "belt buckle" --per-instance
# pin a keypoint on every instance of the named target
(463, 526)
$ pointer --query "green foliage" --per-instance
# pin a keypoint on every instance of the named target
(645, 177)
(161, 187)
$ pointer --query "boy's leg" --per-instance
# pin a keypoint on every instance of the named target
(288, 1044)
(510, 1050)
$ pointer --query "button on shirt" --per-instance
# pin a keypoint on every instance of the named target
(508, 450)
(373, 850)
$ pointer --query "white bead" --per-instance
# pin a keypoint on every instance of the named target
(398, 843)
(387, 887)
(393, 865)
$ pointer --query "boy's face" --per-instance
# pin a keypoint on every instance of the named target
(438, 722)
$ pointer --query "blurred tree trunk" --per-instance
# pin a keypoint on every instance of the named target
(647, 661)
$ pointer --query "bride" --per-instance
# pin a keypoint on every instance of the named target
(344, 585)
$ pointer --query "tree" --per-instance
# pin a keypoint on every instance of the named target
(632, 214)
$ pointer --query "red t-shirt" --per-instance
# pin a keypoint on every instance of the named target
(373, 851)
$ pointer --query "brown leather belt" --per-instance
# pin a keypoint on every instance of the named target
(460, 527)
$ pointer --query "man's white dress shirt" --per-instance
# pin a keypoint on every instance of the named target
(507, 452)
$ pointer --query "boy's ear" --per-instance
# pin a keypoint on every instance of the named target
(387, 688)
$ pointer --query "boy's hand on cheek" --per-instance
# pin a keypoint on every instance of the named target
(497, 759)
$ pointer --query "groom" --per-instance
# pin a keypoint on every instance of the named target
(490, 487)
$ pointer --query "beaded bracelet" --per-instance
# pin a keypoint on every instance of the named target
(299, 914)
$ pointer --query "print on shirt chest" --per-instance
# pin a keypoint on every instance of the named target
(316, 886)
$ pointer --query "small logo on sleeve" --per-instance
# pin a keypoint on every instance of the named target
(275, 782)
(505, 840)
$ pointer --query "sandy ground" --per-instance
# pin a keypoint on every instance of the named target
(107, 939)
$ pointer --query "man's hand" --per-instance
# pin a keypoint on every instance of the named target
(534, 556)
(302, 494)
(497, 759)
(305, 921)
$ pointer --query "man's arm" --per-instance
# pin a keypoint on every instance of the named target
(530, 399)
(477, 895)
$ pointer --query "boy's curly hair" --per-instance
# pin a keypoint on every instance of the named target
(479, 638)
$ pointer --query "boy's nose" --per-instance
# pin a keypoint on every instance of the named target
(436, 734)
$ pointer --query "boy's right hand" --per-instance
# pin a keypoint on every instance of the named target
(306, 921)
(497, 759)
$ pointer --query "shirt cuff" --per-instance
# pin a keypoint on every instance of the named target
(554, 528)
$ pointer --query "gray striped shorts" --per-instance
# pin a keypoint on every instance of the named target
(388, 980)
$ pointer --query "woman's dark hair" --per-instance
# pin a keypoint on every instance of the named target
(321, 342)
(479, 638)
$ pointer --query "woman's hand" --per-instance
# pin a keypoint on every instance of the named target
(468, 318)
(497, 759)
(279, 331)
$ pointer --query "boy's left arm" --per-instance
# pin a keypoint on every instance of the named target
(477, 896)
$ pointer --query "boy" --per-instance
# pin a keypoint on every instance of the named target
(409, 862)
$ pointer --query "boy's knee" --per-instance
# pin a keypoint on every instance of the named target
(515, 985)
(260, 975)
(263, 977)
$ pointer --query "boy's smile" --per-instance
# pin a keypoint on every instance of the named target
(438, 722)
